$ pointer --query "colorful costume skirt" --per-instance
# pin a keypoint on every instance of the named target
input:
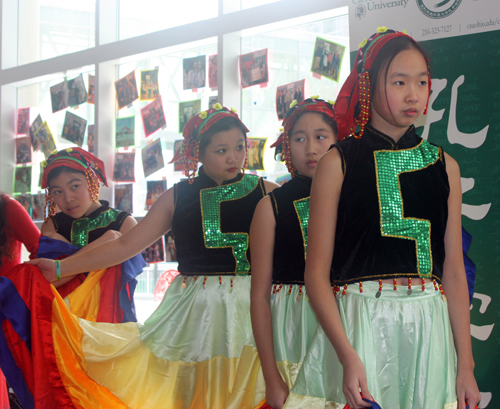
(184, 356)
(404, 341)
(294, 324)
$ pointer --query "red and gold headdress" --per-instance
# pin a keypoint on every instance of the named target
(195, 128)
(356, 89)
(77, 159)
(313, 104)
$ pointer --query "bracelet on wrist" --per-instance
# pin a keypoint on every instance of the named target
(58, 269)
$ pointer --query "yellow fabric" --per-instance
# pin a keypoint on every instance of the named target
(67, 335)
(249, 390)
(84, 301)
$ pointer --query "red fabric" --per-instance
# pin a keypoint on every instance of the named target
(4, 394)
(109, 303)
(71, 286)
(163, 283)
(39, 366)
(20, 230)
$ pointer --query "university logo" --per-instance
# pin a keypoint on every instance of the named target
(360, 11)
(441, 9)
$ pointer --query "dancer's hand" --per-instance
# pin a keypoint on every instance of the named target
(276, 393)
(354, 379)
(467, 390)
(47, 266)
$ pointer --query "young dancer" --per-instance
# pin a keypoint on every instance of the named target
(283, 325)
(384, 227)
(72, 178)
(186, 353)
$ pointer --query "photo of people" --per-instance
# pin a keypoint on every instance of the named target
(123, 197)
(194, 70)
(253, 68)
(327, 58)
(74, 128)
(286, 94)
(255, 153)
(23, 121)
(154, 253)
(37, 123)
(187, 110)
(124, 169)
(155, 190)
(125, 132)
(149, 85)
(212, 101)
(126, 90)
(152, 158)
(77, 94)
(153, 117)
(178, 166)
(45, 140)
(90, 138)
(22, 179)
(25, 200)
(91, 92)
(212, 71)
(23, 150)
(59, 96)
(38, 206)
(170, 248)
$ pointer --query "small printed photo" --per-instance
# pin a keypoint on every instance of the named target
(194, 70)
(59, 96)
(37, 123)
(23, 121)
(25, 200)
(212, 71)
(187, 110)
(126, 90)
(327, 58)
(152, 158)
(212, 101)
(125, 132)
(282, 179)
(170, 247)
(154, 253)
(38, 206)
(22, 179)
(286, 94)
(153, 117)
(253, 68)
(74, 128)
(123, 197)
(90, 138)
(23, 150)
(77, 94)
(178, 166)
(124, 169)
(91, 92)
(155, 190)
(45, 140)
(255, 153)
(149, 85)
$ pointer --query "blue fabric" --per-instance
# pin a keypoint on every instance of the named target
(130, 270)
(13, 309)
(53, 249)
(470, 267)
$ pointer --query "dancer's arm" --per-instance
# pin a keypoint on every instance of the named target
(325, 195)
(262, 236)
(455, 287)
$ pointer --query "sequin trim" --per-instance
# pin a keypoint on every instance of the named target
(302, 209)
(210, 200)
(389, 165)
(82, 227)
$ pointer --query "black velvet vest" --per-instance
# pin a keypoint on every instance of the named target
(85, 230)
(211, 224)
(391, 195)
(291, 211)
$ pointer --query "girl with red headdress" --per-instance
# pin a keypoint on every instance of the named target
(185, 355)
(385, 229)
(282, 319)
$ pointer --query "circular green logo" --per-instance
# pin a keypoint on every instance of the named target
(441, 9)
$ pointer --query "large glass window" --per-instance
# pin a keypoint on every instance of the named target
(147, 16)
(49, 28)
